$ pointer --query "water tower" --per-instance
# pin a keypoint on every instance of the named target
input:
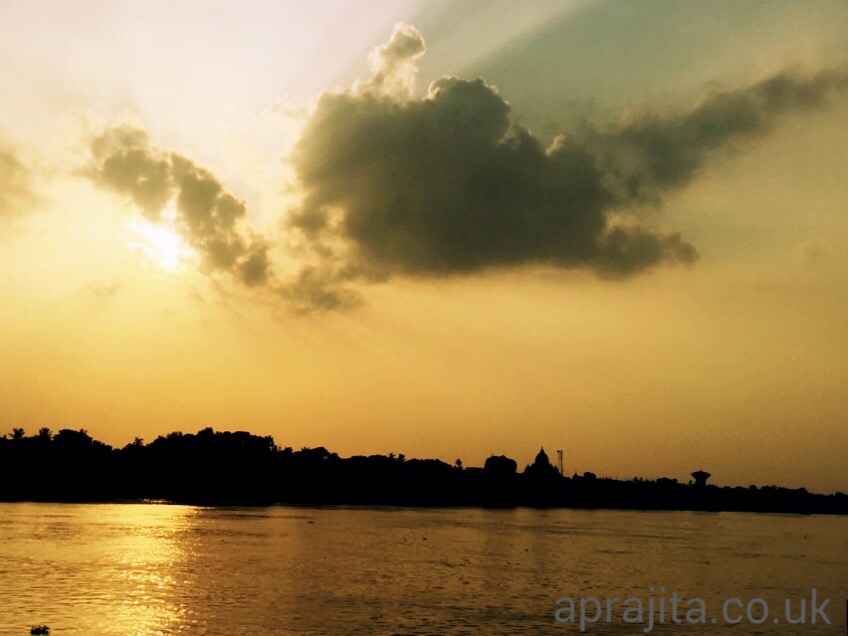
(701, 478)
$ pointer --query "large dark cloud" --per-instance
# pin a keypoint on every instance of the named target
(443, 186)
(209, 218)
(15, 184)
(447, 184)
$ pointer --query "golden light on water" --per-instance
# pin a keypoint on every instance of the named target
(151, 566)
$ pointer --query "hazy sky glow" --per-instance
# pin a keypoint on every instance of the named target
(444, 229)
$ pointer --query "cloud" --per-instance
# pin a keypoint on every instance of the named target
(15, 184)
(168, 187)
(816, 252)
(104, 290)
(319, 288)
(394, 64)
(651, 154)
(448, 185)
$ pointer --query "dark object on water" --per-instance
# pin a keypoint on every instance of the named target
(40, 631)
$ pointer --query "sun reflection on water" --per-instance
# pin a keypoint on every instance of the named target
(101, 569)
(150, 557)
(143, 570)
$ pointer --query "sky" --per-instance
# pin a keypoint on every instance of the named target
(443, 229)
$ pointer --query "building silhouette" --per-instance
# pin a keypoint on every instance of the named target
(541, 468)
(701, 478)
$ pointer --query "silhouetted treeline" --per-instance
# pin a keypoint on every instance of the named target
(242, 469)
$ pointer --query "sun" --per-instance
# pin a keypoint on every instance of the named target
(159, 244)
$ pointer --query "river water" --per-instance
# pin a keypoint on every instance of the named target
(144, 569)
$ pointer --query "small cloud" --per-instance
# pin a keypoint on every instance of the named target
(103, 290)
(167, 186)
(16, 193)
(321, 289)
(813, 252)
(394, 65)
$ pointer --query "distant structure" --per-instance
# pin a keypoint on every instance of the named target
(541, 467)
(559, 461)
(500, 467)
(701, 478)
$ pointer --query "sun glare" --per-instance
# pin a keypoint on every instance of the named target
(159, 244)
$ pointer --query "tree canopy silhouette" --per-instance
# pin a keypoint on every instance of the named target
(238, 468)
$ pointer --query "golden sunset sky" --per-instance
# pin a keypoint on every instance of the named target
(628, 240)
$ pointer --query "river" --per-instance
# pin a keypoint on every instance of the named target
(144, 569)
